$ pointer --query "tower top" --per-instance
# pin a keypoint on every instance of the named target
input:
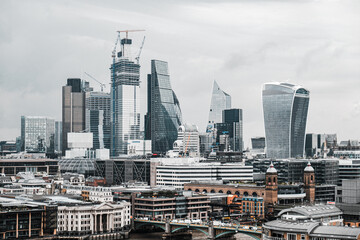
(309, 168)
(271, 169)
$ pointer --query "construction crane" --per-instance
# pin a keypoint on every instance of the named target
(102, 85)
(138, 56)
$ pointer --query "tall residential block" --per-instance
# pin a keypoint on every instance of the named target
(165, 109)
(220, 101)
(98, 118)
(37, 134)
(285, 108)
(73, 109)
(125, 99)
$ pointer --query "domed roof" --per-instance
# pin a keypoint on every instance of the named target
(271, 169)
(309, 168)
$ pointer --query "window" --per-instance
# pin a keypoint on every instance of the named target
(302, 237)
(291, 236)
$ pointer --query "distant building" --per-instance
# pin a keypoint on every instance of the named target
(79, 144)
(58, 137)
(285, 113)
(188, 141)
(98, 118)
(147, 118)
(139, 147)
(37, 134)
(258, 143)
(7, 147)
(315, 144)
(232, 127)
(176, 175)
(12, 166)
(73, 109)
(165, 109)
(220, 101)
(125, 99)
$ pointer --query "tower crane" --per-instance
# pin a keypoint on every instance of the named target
(138, 56)
(102, 85)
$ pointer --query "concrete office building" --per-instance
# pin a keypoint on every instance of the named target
(98, 118)
(37, 134)
(73, 109)
(285, 108)
(125, 99)
(177, 175)
(165, 109)
(188, 141)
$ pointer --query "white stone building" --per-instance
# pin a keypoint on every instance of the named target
(188, 141)
(91, 219)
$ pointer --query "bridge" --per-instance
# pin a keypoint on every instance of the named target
(211, 231)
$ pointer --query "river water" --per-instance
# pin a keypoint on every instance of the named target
(196, 236)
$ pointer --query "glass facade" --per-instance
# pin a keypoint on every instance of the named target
(125, 100)
(165, 109)
(37, 133)
(220, 101)
(98, 118)
(285, 112)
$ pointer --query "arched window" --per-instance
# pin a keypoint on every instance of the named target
(228, 192)
(246, 194)
(197, 190)
(204, 191)
(254, 194)
(312, 178)
(237, 193)
(189, 189)
(221, 191)
(269, 179)
(212, 191)
(274, 179)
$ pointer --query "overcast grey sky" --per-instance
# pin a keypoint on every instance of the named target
(241, 44)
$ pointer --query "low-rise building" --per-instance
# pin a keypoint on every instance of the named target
(93, 219)
(94, 194)
(168, 204)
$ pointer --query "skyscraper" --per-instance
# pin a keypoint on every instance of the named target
(234, 118)
(220, 101)
(73, 109)
(37, 134)
(125, 99)
(147, 125)
(58, 137)
(98, 118)
(285, 108)
(165, 109)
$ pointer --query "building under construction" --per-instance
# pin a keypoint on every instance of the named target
(125, 96)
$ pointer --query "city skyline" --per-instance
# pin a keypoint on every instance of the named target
(324, 57)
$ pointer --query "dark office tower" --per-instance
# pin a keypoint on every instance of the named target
(285, 112)
(165, 109)
(148, 114)
(234, 117)
(98, 118)
(125, 99)
(73, 109)
(220, 101)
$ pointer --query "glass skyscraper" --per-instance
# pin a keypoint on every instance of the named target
(285, 108)
(98, 118)
(165, 109)
(125, 100)
(220, 101)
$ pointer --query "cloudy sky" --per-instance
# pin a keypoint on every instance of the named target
(241, 44)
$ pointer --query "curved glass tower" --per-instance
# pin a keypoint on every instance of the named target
(285, 112)
(165, 109)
